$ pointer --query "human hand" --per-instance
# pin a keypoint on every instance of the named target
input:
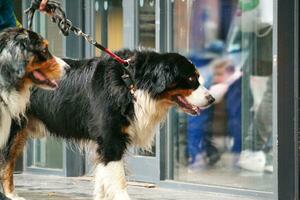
(43, 5)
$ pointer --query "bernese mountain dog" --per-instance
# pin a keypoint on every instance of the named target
(93, 103)
(24, 61)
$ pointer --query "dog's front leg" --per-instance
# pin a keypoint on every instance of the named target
(7, 167)
(110, 182)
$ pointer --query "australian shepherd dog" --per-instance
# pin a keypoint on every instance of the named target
(24, 61)
(93, 103)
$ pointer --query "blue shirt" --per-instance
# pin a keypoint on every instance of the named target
(7, 16)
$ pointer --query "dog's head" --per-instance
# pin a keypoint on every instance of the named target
(25, 60)
(174, 80)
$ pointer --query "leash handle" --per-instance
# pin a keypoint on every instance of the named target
(53, 8)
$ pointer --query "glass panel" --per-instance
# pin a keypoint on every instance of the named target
(99, 12)
(146, 23)
(115, 25)
(230, 143)
(109, 24)
(48, 152)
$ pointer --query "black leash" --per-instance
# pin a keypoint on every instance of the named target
(58, 16)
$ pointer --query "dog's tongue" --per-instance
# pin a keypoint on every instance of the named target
(39, 76)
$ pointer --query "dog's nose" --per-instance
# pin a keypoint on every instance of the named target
(210, 99)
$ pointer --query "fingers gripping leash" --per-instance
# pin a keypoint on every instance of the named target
(54, 9)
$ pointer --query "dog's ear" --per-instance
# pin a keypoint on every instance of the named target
(161, 78)
(12, 65)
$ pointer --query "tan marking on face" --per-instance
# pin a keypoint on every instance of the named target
(45, 42)
(50, 68)
(167, 96)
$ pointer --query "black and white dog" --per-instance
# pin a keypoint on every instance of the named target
(24, 61)
(93, 103)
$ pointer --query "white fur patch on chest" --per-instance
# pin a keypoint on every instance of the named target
(148, 115)
(16, 102)
(14, 107)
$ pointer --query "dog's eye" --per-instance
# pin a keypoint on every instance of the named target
(44, 51)
(192, 78)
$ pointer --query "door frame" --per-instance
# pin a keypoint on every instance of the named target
(287, 86)
(150, 170)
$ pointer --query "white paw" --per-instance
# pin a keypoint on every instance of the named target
(122, 195)
(14, 196)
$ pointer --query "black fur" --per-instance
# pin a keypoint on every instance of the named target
(93, 103)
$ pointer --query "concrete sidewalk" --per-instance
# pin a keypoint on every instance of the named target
(37, 187)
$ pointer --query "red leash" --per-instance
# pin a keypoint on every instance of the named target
(111, 54)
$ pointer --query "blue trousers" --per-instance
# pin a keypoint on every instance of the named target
(199, 128)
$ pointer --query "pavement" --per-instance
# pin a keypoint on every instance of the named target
(41, 187)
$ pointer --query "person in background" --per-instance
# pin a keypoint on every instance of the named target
(7, 15)
(219, 118)
(257, 154)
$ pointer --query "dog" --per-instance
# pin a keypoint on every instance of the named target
(24, 61)
(93, 103)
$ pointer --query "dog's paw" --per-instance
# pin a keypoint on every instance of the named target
(14, 196)
(123, 195)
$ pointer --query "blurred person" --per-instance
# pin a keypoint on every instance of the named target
(219, 119)
(7, 15)
(257, 153)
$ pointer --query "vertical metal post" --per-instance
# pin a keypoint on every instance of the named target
(73, 159)
(129, 23)
(285, 57)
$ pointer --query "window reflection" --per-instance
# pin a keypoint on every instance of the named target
(146, 23)
(108, 24)
(230, 143)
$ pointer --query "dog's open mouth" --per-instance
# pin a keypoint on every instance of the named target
(186, 106)
(39, 78)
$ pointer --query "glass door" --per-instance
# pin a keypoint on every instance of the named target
(145, 38)
(231, 143)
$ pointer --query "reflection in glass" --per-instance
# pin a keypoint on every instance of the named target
(47, 153)
(230, 143)
(108, 28)
(146, 23)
